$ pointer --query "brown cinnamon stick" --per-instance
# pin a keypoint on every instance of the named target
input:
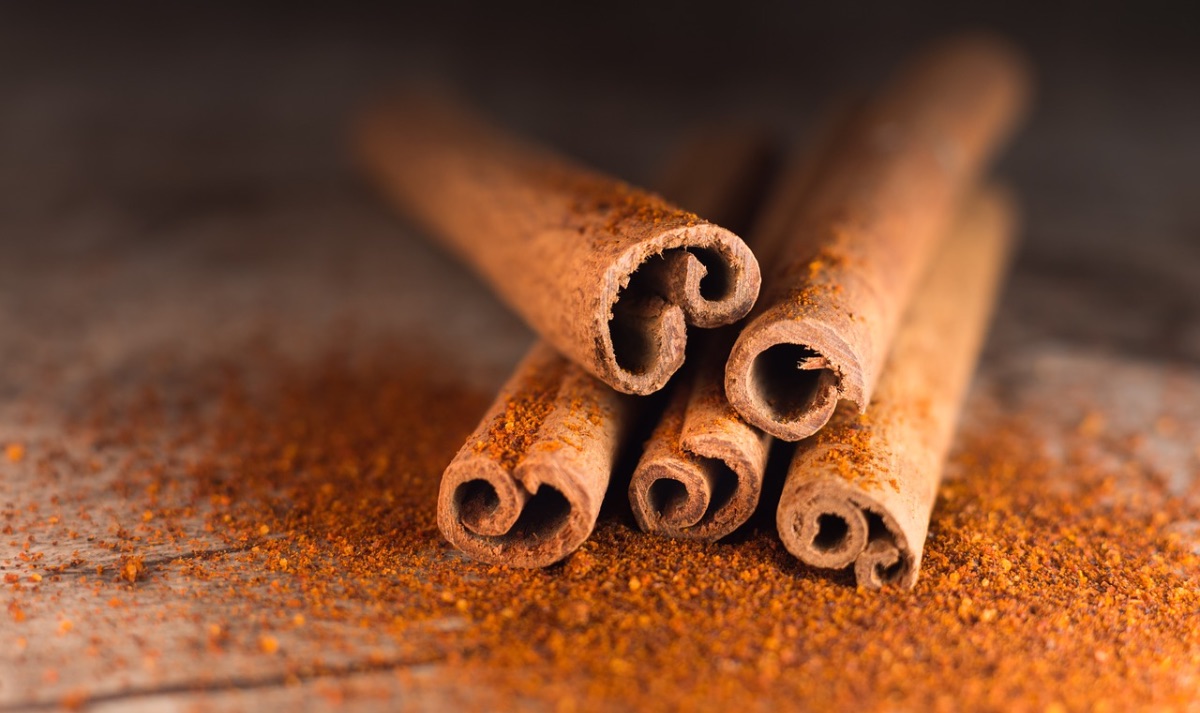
(609, 274)
(701, 471)
(526, 488)
(700, 475)
(864, 234)
(861, 491)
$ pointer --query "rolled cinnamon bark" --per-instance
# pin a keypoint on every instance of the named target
(609, 274)
(701, 471)
(861, 491)
(864, 234)
(526, 488)
(700, 475)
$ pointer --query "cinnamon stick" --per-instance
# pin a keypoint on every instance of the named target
(700, 475)
(525, 489)
(861, 491)
(701, 471)
(863, 235)
(609, 274)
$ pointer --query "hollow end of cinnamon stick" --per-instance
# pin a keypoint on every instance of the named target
(684, 497)
(699, 486)
(787, 377)
(525, 489)
(700, 475)
(830, 524)
(531, 517)
(701, 275)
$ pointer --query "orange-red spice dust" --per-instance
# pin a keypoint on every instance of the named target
(1043, 587)
(513, 431)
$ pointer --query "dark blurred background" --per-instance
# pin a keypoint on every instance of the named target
(172, 112)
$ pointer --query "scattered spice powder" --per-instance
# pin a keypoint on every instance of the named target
(131, 568)
(852, 452)
(622, 204)
(1043, 587)
(514, 431)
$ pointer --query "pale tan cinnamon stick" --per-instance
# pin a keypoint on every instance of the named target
(861, 491)
(701, 471)
(607, 273)
(526, 488)
(862, 237)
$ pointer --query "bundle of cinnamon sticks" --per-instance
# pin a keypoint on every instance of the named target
(849, 321)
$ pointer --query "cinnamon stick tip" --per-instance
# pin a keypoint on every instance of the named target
(703, 493)
(1009, 65)
(522, 519)
(787, 376)
(987, 45)
(668, 497)
(828, 524)
(698, 275)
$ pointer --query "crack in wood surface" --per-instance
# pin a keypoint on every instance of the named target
(234, 684)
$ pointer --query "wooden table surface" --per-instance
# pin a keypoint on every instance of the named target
(173, 201)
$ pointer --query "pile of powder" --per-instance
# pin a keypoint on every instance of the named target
(308, 491)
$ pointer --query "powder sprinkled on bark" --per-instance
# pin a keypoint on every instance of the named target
(514, 430)
(620, 203)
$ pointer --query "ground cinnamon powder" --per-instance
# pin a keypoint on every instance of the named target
(1045, 585)
(513, 431)
(620, 203)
